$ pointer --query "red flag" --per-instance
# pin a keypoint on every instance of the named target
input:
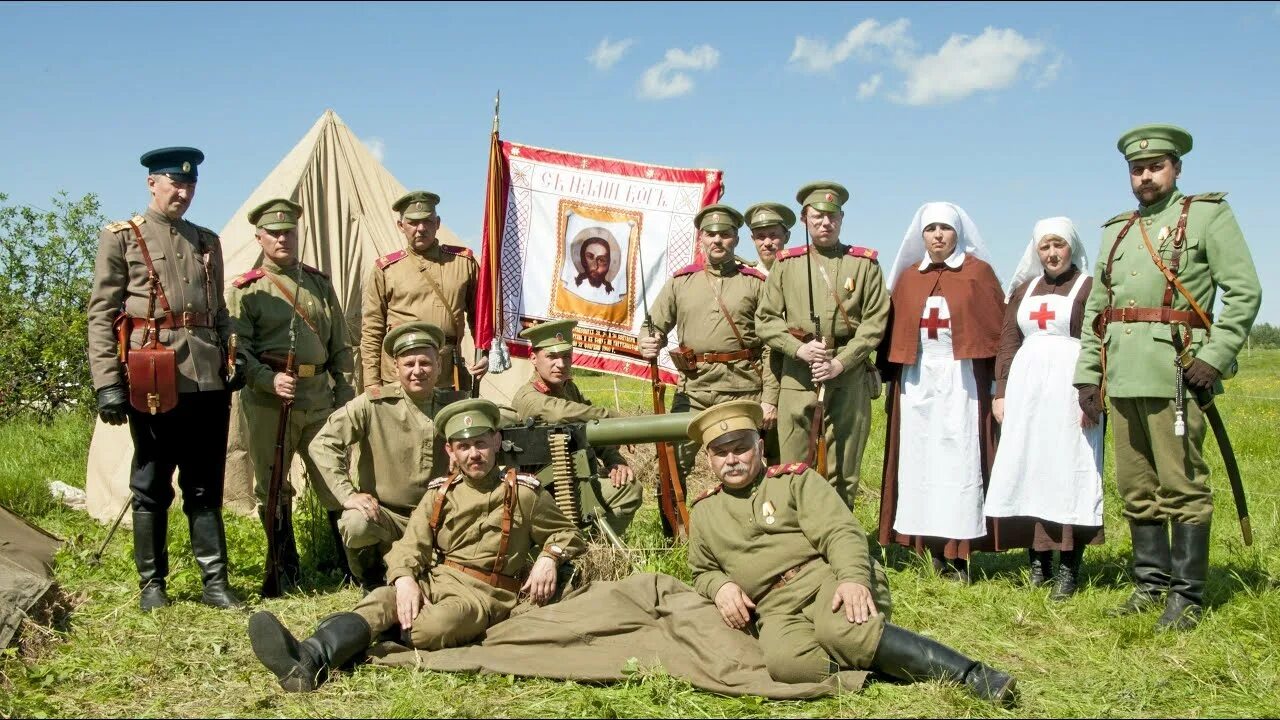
(488, 302)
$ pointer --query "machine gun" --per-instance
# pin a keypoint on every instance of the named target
(563, 458)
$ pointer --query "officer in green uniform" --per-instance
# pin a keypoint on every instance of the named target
(400, 450)
(426, 280)
(712, 305)
(1138, 318)
(777, 552)
(551, 397)
(281, 306)
(482, 537)
(852, 306)
(770, 225)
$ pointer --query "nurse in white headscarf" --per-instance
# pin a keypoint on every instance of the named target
(939, 357)
(1048, 468)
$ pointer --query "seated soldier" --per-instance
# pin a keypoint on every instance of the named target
(551, 397)
(481, 538)
(778, 548)
(400, 451)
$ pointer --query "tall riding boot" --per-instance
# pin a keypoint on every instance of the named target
(209, 544)
(1067, 578)
(151, 555)
(1151, 565)
(1041, 561)
(304, 666)
(908, 656)
(339, 550)
(1185, 603)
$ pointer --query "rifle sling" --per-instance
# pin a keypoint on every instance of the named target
(725, 311)
(289, 298)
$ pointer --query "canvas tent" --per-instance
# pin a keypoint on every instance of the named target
(346, 198)
(26, 570)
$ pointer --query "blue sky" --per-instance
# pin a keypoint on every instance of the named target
(1010, 110)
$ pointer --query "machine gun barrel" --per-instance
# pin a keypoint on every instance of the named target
(639, 429)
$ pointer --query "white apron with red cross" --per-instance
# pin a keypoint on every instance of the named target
(1047, 466)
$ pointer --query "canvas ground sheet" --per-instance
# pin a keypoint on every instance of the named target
(607, 630)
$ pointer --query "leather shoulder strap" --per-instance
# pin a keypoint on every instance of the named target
(742, 343)
(509, 480)
(288, 297)
(157, 290)
(437, 509)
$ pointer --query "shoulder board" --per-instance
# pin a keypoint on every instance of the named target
(387, 261)
(752, 272)
(438, 482)
(708, 493)
(457, 250)
(790, 253)
(248, 277)
(124, 224)
(205, 231)
(528, 480)
(688, 270)
(794, 468)
(541, 386)
(1209, 197)
(374, 393)
(1119, 218)
(314, 270)
(862, 252)
(390, 391)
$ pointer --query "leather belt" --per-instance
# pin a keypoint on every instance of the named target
(725, 357)
(1153, 315)
(785, 578)
(278, 363)
(182, 320)
(498, 580)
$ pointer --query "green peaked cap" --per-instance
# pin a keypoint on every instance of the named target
(551, 336)
(724, 418)
(468, 418)
(824, 195)
(714, 218)
(766, 214)
(417, 205)
(1148, 141)
(402, 338)
(276, 214)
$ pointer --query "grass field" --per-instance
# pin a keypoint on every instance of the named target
(188, 660)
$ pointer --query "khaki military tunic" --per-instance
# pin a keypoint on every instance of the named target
(790, 518)
(188, 261)
(853, 329)
(566, 404)
(261, 304)
(470, 533)
(688, 304)
(399, 453)
(1159, 475)
(399, 289)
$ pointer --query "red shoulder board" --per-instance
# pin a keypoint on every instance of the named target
(790, 253)
(541, 387)
(528, 480)
(457, 250)
(794, 468)
(314, 270)
(863, 252)
(688, 269)
(387, 261)
(707, 493)
(248, 278)
(752, 272)
(375, 392)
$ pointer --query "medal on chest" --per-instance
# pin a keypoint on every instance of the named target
(768, 510)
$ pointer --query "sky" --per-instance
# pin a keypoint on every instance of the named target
(1009, 110)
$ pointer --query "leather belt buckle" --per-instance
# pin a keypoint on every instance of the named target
(306, 371)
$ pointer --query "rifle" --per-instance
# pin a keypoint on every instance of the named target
(670, 494)
(271, 586)
(816, 458)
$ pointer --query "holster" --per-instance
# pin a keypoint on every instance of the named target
(684, 359)
(803, 336)
(153, 375)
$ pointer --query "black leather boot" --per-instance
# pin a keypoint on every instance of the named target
(1151, 565)
(304, 666)
(1041, 561)
(339, 550)
(209, 545)
(151, 555)
(1185, 604)
(906, 655)
(1067, 578)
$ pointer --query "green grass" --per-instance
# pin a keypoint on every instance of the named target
(1070, 659)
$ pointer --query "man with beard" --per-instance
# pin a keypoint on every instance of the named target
(592, 283)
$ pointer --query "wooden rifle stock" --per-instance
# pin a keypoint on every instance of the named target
(670, 494)
(279, 473)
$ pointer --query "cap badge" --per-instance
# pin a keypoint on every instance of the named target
(560, 336)
(830, 197)
(186, 167)
(467, 421)
(724, 424)
(279, 214)
(1142, 144)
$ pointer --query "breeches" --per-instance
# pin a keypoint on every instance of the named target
(457, 614)
(261, 422)
(847, 421)
(192, 439)
(1160, 476)
(359, 531)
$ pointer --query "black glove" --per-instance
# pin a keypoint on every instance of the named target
(1090, 403)
(1201, 375)
(113, 404)
(238, 379)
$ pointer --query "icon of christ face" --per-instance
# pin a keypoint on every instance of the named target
(595, 263)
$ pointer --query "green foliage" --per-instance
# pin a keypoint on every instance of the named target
(34, 453)
(1265, 336)
(46, 272)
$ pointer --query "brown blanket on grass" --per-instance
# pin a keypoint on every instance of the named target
(609, 630)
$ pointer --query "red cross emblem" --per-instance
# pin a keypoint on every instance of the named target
(933, 322)
(1043, 315)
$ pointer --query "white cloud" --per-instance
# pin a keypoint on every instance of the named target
(964, 65)
(863, 40)
(607, 54)
(665, 79)
(869, 87)
(1050, 73)
(377, 147)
